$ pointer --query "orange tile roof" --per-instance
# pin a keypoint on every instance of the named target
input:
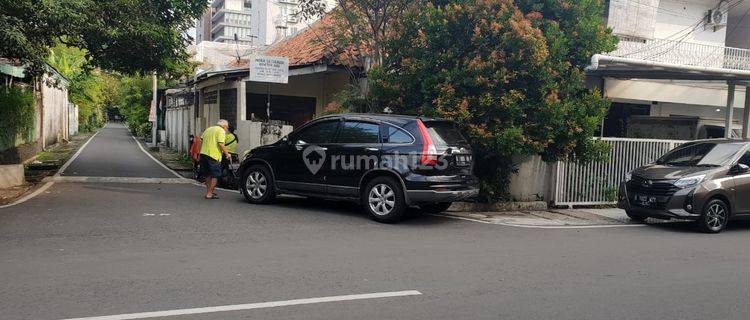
(314, 45)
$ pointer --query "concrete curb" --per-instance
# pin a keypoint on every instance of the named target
(498, 207)
(80, 179)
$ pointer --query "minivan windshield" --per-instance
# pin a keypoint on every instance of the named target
(702, 154)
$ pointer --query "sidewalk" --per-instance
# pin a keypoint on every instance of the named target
(550, 217)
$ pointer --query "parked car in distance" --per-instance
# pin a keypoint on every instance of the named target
(385, 162)
(706, 181)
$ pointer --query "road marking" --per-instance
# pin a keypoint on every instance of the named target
(593, 226)
(195, 183)
(75, 155)
(157, 161)
(85, 179)
(49, 184)
(30, 195)
(250, 306)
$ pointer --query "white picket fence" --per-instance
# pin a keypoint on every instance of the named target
(596, 183)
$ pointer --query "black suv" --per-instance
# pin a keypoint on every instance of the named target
(385, 162)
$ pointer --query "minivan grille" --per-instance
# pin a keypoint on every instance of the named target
(655, 187)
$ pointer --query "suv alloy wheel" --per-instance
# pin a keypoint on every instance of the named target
(383, 200)
(257, 185)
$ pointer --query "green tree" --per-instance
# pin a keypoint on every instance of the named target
(86, 88)
(510, 74)
(128, 36)
(356, 38)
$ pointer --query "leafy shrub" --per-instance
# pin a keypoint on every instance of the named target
(17, 122)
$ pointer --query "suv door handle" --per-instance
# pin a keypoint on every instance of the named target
(372, 149)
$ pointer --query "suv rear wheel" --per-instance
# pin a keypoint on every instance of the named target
(715, 216)
(383, 200)
(257, 185)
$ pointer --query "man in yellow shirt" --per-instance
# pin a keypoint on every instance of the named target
(231, 142)
(212, 148)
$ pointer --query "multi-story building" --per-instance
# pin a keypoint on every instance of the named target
(674, 74)
(251, 22)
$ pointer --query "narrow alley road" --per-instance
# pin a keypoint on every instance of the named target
(160, 251)
(114, 153)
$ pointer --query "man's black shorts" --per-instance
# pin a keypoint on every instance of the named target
(210, 167)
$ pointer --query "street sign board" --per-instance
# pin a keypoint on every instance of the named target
(269, 69)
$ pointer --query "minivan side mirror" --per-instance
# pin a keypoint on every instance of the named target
(739, 168)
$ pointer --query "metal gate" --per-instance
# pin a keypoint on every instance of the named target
(597, 182)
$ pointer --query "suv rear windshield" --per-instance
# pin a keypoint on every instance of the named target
(702, 154)
(445, 133)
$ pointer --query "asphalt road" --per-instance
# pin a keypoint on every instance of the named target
(114, 153)
(83, 250)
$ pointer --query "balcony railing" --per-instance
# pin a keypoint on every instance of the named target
(684, 53)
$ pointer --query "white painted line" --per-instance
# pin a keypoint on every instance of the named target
(75, 155)
(85, 179)
(193, 182)
(30, 195)
(250, 306)
(49, 183)
(157, 161)
(593, 226)
(198, 184)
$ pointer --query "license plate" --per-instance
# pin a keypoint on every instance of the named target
(645, 200)
(463, 159)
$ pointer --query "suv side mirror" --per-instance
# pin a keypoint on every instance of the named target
(739, 168)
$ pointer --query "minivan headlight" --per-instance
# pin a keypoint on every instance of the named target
(689, 181)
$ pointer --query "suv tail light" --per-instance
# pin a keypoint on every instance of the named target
(429, 151)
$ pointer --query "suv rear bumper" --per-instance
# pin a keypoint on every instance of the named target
(674, 208)
(432, 196)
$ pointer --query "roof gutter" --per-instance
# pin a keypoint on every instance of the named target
(597, 59)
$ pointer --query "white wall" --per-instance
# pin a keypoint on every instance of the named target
(692, 93)
(532, 181)
(72, 119)
(674, 16)
(55, 110)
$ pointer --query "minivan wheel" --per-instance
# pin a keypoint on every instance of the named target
(257, 185)
(715, 216)
(435, 208)
(383, 200)
(635, 217)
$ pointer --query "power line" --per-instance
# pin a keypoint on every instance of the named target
(685, 36)
(734, 28)
(692, 28)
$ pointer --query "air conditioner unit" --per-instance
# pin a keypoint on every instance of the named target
(716, 18)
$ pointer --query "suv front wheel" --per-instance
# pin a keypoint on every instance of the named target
(383, 200)
(257, 185)
(715, 216)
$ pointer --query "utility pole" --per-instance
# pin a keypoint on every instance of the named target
(152, 115)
